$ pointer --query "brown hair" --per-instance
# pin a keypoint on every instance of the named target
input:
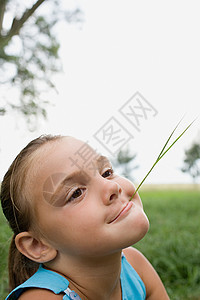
(17, 208)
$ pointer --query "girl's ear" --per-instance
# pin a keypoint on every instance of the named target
(33, 248)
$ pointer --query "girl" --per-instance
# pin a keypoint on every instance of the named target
(71, 219)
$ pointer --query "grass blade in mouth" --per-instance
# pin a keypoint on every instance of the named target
(162, 153)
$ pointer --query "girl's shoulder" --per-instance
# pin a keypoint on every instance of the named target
(38, 293)
(136, 259)
(152, 282)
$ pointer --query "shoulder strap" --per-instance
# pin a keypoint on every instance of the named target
(131, 283)
(46, 279)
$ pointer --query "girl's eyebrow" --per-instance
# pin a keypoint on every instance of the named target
(102, 160)
(81, 174)
(78, 176)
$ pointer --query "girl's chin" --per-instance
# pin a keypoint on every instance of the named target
(141, 229)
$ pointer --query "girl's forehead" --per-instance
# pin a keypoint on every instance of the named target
(64, 156)
(66, 147)
(72, 149)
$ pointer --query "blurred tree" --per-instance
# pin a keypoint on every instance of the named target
(124, 163)
(29, 52)
(192, 161)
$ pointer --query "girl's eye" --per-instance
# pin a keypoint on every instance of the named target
(76, 194)
(108, 173)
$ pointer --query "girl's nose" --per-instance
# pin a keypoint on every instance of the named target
(110, 190)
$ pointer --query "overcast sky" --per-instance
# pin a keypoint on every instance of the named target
(133, 68)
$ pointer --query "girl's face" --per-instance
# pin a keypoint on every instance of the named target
(82, 206)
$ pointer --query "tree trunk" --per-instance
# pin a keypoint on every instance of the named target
(2, 11)
(17, 24)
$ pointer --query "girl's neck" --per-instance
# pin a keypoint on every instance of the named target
(91, 278)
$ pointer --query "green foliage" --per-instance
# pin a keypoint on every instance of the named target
(192, 161)
(172, 244)
(5, 237)
(29, 52)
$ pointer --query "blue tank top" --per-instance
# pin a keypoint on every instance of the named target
(131, 284)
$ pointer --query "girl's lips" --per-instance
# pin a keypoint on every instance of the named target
(123, 212)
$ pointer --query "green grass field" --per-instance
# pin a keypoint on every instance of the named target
(5, 234)
(172, 244)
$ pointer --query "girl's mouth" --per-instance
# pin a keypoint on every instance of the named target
(123, 212)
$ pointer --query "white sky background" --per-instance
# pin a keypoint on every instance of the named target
(152, 47)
